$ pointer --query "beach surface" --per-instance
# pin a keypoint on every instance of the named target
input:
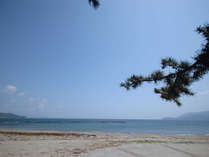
(15, 143)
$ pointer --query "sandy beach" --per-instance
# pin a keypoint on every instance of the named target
(65, 144)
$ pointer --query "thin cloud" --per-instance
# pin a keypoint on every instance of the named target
(10, 89)
(40, 107)
(31, 100)
(21, 94)
(41, 104)
(14, 97)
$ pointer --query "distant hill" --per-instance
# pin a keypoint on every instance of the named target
(11, 116)
(203, 116)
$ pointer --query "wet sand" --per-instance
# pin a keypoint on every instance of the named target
(67, 144)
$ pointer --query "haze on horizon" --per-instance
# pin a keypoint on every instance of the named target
(64, 59)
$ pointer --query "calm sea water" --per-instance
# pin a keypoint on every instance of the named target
(111, 126)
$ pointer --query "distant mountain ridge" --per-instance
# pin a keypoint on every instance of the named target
(203, 116)
(11, 116)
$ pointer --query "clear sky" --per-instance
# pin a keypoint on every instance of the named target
(64, 59)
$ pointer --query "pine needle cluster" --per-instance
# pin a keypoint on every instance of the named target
(94, 3)
(177, 82)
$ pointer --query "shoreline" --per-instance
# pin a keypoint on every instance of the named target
(90, 133)
(76, 134)
(43, 132)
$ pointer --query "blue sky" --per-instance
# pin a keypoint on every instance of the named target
(64, 59)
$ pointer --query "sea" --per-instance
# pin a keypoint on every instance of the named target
(163, 127)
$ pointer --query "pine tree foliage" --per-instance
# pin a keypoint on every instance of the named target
(177, 82)
(94, 3)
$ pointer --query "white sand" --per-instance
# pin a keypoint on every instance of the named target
(65, 144)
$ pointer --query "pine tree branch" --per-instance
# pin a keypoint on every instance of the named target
(176, 83)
